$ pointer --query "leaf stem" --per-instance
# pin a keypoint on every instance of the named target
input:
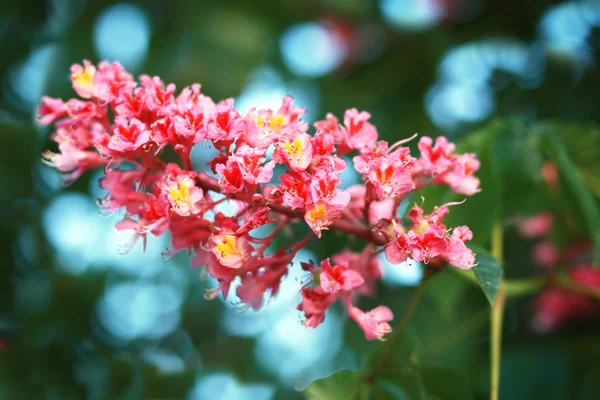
(496, 316)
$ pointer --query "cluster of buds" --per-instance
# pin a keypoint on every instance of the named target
(272, 170)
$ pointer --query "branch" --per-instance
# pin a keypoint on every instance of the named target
(209, 183)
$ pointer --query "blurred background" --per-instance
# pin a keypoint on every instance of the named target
(80, 320)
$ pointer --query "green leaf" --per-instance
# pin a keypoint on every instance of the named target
(587, 204)
(516, 159)
(340, 385)
(488, 273)
(446, 290)
(583, 143)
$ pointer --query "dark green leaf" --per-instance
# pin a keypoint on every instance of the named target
(488, 273)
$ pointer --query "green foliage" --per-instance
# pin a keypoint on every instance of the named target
(573, 183)
(339, 385)
(488, 273)
(583, 143)
(394, 373)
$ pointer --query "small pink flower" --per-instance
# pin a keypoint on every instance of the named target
(538, 225)
(50, 110)
(338, 278)
(322, 214)
(436, 159)
(374, 323)
(185, 198)
(460, 177)
(129, 135)
(458, 254)
(252, 164)
(295, 150)
(230, 250)
(546, 254)
(82, 78)
(232, 177)
(550, 173)
(314, 304)
(226, 125)
(295, 187)
(357, 132)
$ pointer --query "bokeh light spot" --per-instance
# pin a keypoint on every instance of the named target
(122, 33)
(311, 50)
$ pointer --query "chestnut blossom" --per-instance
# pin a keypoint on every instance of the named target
(374, 323)
(131, 128)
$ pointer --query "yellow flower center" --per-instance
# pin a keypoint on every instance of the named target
(228, 246)
(260, 121)
(420, 228)
(181, 194)
(317, 213)
(294, 149)
(85, 78)
(276, 122)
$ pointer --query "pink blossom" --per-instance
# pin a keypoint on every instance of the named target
(252, 164)
(535, 226)
(555, 307)
(231, 176)
(82, 78)
(295, 150)
(337, 278)
(460, 177)
(314, 304)
(322, 214)
(295, 188)
(128, 135)
(135, 128)
(226, 125)
(374, 323)
(367, 266)
(230, 250)
(357, 132)
(50, 110)
(435, 159)
(183, 195)
(546, 254)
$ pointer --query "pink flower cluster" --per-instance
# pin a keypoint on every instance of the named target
(125, 126)
(556, 307)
